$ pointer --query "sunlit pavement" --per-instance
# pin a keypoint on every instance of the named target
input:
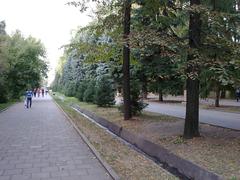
(223, 119)
(42, 98)
(218, 118)
(39, 143)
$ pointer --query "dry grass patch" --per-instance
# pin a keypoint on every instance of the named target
(231, 109)
(6, 105)
(128, 163)
(217, 149)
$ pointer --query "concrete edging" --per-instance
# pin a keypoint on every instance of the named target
(183, 166)
(108, 168)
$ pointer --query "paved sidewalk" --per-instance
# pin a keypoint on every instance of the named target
(40, 144)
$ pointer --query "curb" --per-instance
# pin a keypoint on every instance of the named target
(108, 168)
(175, 163)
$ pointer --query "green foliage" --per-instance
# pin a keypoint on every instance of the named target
(89, 92)
(104, 91)
(137, 104)
(21, 64)
(2, 27)
(159, 43)
(81, 89)
(70, 89)
(86, 81)
(3, 93)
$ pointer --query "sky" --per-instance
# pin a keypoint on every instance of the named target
(51, 21)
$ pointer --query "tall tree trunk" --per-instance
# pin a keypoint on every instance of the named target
(126, 61)
(191, 127)
(160, 93)
(214, 4)
(223, 94)
(144, 89)
(217, 96)
(160, 96)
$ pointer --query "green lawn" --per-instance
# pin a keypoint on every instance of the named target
(5, 105)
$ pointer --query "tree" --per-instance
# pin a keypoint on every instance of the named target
(126, 61)
(104, 91)
(220, 46)
(3, 64)
(22, 64)
(170, 41)
(2, 28)
(26, 64)
(191, 127)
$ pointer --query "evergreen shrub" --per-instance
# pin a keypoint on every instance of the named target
(104, 92)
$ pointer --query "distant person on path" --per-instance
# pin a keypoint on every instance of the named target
(46, 92)
(42, 92)
(238, 94)
(35, 92)
(29, 95)
(38, 91)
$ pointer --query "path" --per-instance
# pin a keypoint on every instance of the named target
(223, 119)
(40, 144)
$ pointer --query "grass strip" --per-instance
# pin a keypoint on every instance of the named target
(216, 150)
(128, 163)
(6, 105)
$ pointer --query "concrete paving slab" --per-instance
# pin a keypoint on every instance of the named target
(40, 143)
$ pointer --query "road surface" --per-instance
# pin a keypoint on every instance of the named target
(222, 119)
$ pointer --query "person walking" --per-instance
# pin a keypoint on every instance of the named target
(42, 92)
(29, 95)
(46, 92)
(35, 92)
(238, 94)
(38, 92)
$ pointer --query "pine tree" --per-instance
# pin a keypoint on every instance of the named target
(89, 92)
(104, 92)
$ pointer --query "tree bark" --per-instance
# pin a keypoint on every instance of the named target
(160, 93)
(126, 61)
(144, 90)
(223, 94)
(191, 127)
(160, 97)
(214, 4)
(217, 96)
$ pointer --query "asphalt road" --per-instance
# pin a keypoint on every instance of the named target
(222, 119)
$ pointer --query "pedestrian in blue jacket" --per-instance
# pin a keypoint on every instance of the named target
(28, 96)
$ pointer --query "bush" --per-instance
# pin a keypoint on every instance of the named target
(104, 92)
(3, 94)
(137, 104)
(81, 90)
(70, 89)
(89, 92)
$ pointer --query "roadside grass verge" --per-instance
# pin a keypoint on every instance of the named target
(222, 108)
(231, 109)
(128, 163)
(216, 150)
(6, 105)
